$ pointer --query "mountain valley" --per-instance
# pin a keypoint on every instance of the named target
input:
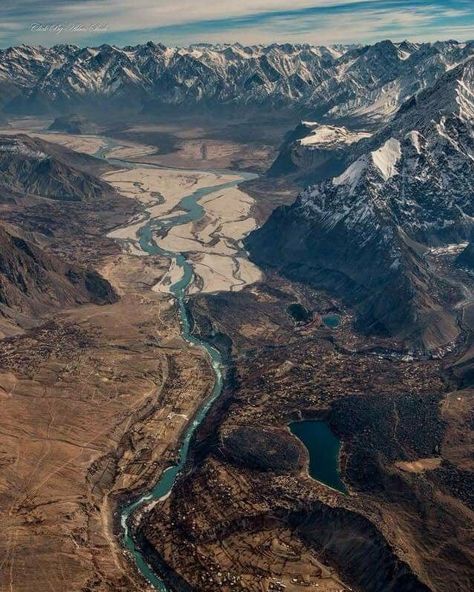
(200, 247)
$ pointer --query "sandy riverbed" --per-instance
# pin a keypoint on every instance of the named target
(212, 244)
(88, 144)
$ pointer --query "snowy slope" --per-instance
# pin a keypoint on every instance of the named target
(368, 83)
(363, 232)
(329, 136)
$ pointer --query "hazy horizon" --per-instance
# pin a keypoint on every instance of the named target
(318, 22)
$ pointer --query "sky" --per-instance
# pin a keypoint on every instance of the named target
(182, 22)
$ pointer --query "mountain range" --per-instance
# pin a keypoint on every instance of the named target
(364, 83)
(387, 149)
(367, 232)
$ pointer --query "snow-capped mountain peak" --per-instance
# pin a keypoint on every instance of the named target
(369, 83)
(403, 192)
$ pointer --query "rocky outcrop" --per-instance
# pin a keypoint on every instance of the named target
(33, 282)
(73, 124)
(31, 166)
(262, 449)
(314, 151)
(466, 257)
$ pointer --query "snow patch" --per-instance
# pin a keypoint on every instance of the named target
(330, 135)
(387, 157)
(414, 136)
(385, 160)
(21, 149)
(352, 174)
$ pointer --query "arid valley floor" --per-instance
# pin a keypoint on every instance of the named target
(96, 397)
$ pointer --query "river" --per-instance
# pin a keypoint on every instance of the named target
(189, 210)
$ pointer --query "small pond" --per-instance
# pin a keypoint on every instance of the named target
(299, 313)
(332, 320)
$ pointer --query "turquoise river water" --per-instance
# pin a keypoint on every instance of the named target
(190, 210)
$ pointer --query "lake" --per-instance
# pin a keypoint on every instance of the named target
(324, 448)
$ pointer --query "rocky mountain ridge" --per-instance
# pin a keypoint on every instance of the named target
(366, 83)
(365, 233)
(313, 151)
(33, 281)
(31, 166)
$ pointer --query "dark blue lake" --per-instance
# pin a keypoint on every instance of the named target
(324, 448)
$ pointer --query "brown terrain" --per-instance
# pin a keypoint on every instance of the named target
(95, 380)
(97, 387)
(93, 401)
(206, 143)
(254, 520)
